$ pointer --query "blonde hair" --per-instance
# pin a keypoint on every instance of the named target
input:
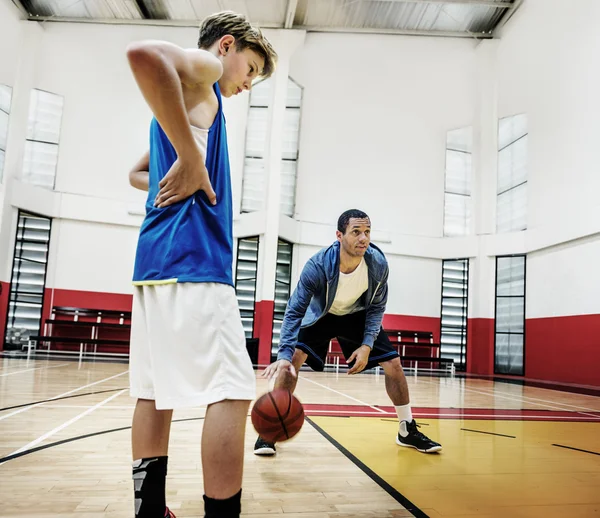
(215, 26)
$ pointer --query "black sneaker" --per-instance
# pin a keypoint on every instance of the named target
(416, 439)
(264, 448)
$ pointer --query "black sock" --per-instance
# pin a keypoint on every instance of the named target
(229, 508)
(149, 479)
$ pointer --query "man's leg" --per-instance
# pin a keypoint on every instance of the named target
(150, 445)
(397, 389)
(223, 457)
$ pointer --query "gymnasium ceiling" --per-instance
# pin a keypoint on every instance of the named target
(451, 18)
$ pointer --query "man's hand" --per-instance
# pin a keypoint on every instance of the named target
(361, 355)
(276, 368)
(186, 177)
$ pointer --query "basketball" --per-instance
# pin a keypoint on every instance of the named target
(277, 415)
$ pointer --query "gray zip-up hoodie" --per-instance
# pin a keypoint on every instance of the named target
(315, 293)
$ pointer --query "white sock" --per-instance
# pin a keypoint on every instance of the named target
(404, 416)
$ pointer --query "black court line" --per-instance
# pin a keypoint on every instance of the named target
(576, 449)
(79, 437)
(393, 492)
(396, 420)
(489, 433)
(59, 398)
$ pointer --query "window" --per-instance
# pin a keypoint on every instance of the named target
(289, 155)
(283, 279)
(5, 99)
(511, 202)
(457, 185)
(254, 184)
(43, 134)
(245, 281)
(28, 279)
(453, 332)
(510, 315)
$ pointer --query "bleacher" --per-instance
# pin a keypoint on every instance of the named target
(417, 351)
(84, 332)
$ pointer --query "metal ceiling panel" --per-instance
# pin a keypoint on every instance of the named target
(465, 18)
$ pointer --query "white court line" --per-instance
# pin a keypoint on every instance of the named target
(67, 423)
(455, 416)
(24, 409)
(34, 369)
(521, 399)
(345, 395)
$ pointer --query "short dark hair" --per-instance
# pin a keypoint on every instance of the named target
(246, 36)
(344, 219)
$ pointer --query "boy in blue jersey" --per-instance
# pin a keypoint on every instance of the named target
(187, 341)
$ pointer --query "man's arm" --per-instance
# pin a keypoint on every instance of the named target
(296, 309)
(375, 311)
(139, 174)
(162, 71)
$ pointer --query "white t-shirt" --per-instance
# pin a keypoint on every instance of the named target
(349, 290)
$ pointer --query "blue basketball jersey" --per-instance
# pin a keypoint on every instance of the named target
(189, 241)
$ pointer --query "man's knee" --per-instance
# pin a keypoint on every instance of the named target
(393, 367)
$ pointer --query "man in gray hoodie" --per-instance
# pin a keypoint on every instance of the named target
(342, 293)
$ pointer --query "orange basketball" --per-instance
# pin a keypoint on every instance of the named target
(277, 415)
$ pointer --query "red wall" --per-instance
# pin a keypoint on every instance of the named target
(263, 329)
(87, 299)
(563, 349)
(559, 349)
(480, 346)
(4, 296)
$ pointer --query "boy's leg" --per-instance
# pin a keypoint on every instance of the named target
(223, 457)
(150, 430)
(150, 445)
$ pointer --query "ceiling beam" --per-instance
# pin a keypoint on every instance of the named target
(506, 4)
(18, 5)
(405, 32)
(130, 21)
(290, 14)
(507, 15)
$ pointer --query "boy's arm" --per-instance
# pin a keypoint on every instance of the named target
(162, 70)
(139, 174)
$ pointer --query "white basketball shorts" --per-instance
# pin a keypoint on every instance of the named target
(188, 346)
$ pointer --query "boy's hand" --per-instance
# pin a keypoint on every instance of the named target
(186, 177)
(361, 355)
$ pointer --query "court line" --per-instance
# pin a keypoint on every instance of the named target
(389, 489)
(66, 424)
(345, 395)
(458, 417)
(489, 433)
(79, 437)
(520, 399)
(58, 398)
(576, 449)
(539, 399)
(34, 369)
(61, 395)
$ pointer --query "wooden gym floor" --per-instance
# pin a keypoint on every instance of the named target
(509, 450)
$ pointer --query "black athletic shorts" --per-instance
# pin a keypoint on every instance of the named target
(349, 331)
